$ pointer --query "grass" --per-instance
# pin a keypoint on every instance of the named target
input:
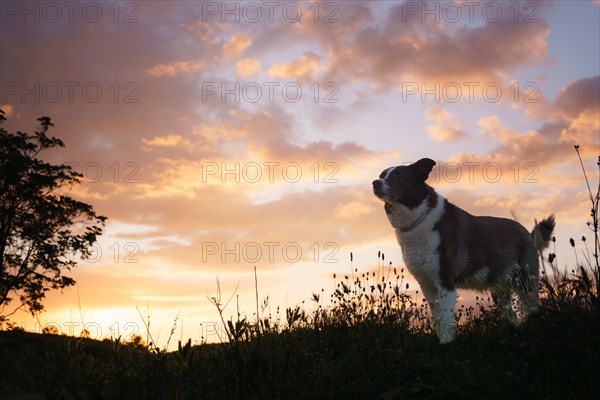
(368, 340)
(327, 354)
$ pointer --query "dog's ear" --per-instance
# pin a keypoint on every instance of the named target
(423, 167)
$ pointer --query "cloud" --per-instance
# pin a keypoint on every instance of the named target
(578, 97)
(574, 115)
(584, 131)
(171, 140)
(572, 118)
(270, 134)
(247, 67)
(353, 209)
(446, 127)
(8, 109)
(525, 205)
(201, 31)
(404, 48)
(514, 149)
(225, 214)
(306, 68)
(236, 45)
(175, 68)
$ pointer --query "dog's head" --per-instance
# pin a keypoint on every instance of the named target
(404, 184)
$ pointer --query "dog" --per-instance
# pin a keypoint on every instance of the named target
(446, 248)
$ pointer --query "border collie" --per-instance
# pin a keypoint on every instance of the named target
(445, 247)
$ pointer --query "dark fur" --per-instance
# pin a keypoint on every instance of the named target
(470, 243)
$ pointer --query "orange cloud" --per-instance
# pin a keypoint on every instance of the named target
(574, 115)
(572, 118)
(354, 209)
(236, 45)
(517, 155)
(175, 68)
(582, 130)
(446, 126)
(171, 140)
(8, 109)
(247, 67)
(306, 68)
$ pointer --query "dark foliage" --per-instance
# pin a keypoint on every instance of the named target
(41, 229)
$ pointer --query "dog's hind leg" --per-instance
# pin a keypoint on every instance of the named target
(528, 277)
(502, 296)
(516, 294)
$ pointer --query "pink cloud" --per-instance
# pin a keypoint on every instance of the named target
(578, 97)
(405, 48)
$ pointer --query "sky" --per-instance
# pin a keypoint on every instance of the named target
(220, 137)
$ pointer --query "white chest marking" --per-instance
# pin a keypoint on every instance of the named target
(419, 245)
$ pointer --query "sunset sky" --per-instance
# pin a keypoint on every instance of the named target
(220, 136)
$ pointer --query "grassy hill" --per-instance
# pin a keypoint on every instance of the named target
(374, 345)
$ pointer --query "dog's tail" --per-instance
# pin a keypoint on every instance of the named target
(542, 232)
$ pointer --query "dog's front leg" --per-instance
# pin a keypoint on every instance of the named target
(445, 325)
(441, 302)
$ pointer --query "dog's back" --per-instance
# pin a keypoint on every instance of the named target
(482, 246)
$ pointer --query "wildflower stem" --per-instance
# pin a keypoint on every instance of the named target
(257, 314)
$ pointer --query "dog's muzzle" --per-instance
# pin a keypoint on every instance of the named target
(378, 188)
